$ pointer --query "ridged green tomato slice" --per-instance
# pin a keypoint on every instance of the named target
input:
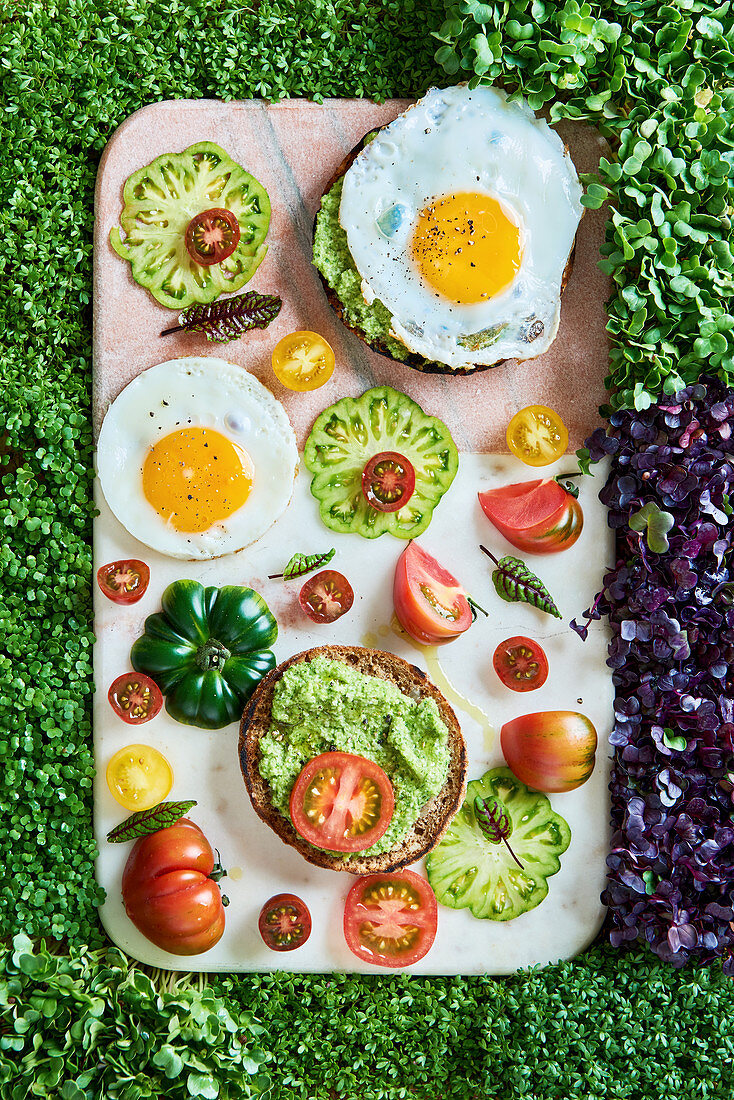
(160, 200)
(469, 871)
(348, 434)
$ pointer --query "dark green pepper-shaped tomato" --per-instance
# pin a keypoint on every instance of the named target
(207, 650)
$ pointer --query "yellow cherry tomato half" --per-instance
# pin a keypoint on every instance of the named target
(303, 361)
(537, 435)
(139, 777)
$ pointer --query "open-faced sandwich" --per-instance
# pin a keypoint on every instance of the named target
(445, 239)
(352, 756)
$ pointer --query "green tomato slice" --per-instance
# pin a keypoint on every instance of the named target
(468, 871)
(159, 202)
(348, 434)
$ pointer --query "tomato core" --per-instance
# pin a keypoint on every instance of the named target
(388, 481)
(390, 919)
(342, 802)
(521, 664)
(135, 698)
(212, 236)
(284, 922)
(326, 596)
(123, 582)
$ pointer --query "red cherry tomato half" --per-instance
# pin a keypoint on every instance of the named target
(390, 919)
(284, 922)
(212, 236)
(430, 604)
(326, 596)
(539, 517)
(168, 893)
(341, 802)
(124, 581)
(135, 698)
(520, 664)
(552, 750)
(388, 481)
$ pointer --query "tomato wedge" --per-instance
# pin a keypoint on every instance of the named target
(388, 481)
(430, 604)
(521, 664)
(212, 236)
(390, 919)
(326, 596)
(124, 581)
(135, 698)
(284, 922)
(341, 802)
(539, 517)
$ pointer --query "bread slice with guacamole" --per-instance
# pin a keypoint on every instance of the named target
(368, 703)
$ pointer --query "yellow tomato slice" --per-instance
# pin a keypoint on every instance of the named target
(139, 777)
(537, 435)
(303, 361)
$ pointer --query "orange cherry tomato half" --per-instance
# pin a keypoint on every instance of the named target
(303, 361)
(521, 664)
(135, 698)
(538, 517)
(168, 892)
(552, 750)
(430, 604)
(212, 236)
(537, 435)
(123, 581)
(284, 922)
(390, 919)
(341, 802)
(388, 481)
(326, 596)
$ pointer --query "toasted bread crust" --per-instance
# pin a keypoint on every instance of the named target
(436, 814)
(417, 362)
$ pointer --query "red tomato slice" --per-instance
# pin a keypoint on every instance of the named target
(539, 517)
(521, 664)
(326, 596)
(388, 481)
(341, 802)
(551, 750)
(135, 698)
(212, 236)
(390, 919)
(124, 581)
(430, 604)
(284, 922)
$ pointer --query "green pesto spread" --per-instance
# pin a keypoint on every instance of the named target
(326, 706)
(331, 256)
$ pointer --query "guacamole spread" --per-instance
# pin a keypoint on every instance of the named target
(331, 256)
(326, 706)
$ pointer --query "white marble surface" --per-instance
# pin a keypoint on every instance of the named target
(206, 767)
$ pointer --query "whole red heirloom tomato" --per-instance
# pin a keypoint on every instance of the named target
(168, 893)
(538, 517)
(551, 750)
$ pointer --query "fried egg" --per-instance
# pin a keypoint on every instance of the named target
(196, 458)
(460, 217)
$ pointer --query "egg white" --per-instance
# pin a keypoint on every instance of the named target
(462, 140)
(206, 393)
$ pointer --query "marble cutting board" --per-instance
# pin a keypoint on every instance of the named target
(293, 148)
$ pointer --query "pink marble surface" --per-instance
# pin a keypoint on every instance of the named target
(293, 148)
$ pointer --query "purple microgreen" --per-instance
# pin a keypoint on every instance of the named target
(494, 822)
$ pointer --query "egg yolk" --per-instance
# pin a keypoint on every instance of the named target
(466, 247)
(195, 477)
